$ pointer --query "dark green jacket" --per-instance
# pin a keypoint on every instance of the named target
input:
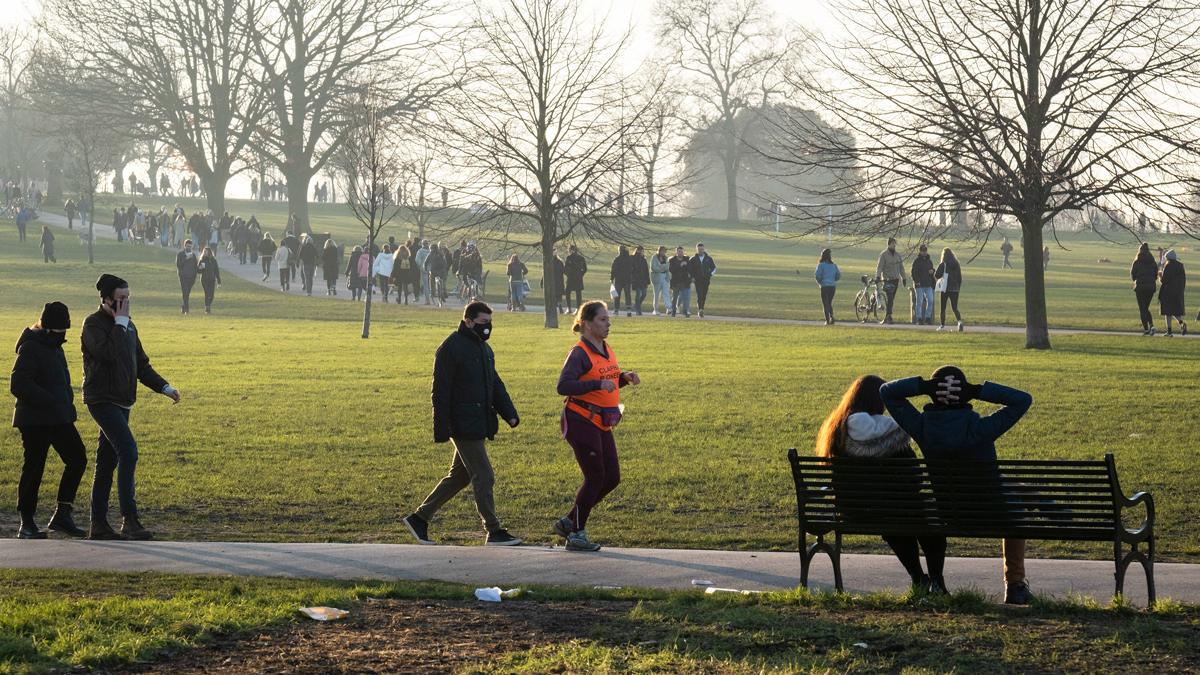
(114, 362)
(468, 394)
(41, 382)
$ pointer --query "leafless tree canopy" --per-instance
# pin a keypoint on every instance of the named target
(1024, 109)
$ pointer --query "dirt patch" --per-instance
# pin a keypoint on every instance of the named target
(397, 636)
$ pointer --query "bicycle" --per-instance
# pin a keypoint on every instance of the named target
(869, 300)
(470, 289)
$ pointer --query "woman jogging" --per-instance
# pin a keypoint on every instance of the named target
(45, 416)
(858, 427)
(210, 277)
(1170, 295)
(1144, 274)
(949, 270)
(591, 381)
(827, 275)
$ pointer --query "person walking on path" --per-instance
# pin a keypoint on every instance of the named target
(858, 427)
(283, 263)
(1170, 294)
(575, 267)
(591, 380)
(438, 265)
(329, 266)
(419, 260)
(383, 271)
(950, 429)
(468, 394)
(640, 276)
(72, 212)
(949, 269)
(187, 266)
(292, 260)
(353, 280)
(1006, 248)
(266, 253)
(890, 270)
(702, 269)
(516, 283)
(48, 245)
(403, 273)
(45, 416)
(210, 277)
(1144, 274)
(559, 275)
(923, 282)
(113, 364)
(828, 275)
(23, 218)
(308, 262)
(681, 283)
(660, 276)
(621, 275)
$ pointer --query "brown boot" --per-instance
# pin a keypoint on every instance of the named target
(131, 528)
(62, 521)
(100, 530)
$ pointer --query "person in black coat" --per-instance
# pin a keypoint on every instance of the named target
(1170, 295)
(45, 416)
(639, 277)
(575, 266)
(330, 257)
(187, 264)
(468, 394)
(293, 244)
(308, 263)
(210, 277)
(1144, 274)
(621, 275)
(681, 282)
(48, 245)
(702, 269)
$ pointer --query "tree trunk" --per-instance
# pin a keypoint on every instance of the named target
(297, 180)
(733, 213)
(650, 193)
(550, 289)
(1037, 330)
(118, 183)
(91, 216)
(366, 332)
(214, 194)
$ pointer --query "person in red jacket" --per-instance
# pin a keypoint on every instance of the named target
(591, 380)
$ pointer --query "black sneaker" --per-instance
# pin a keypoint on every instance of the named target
(562, 527)
(578, 541)
(30, 531)
(419, 528)
(937, 586)
(501, 537)
(1018, 594)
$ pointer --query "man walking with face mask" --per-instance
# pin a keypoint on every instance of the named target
(187, 263)
(468, 394)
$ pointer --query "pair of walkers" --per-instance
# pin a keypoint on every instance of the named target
(1146, 274)
(113, 363)
(946, 429)
(191, 267)
(469, 398)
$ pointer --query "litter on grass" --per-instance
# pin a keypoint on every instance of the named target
(703, 582)
(713, 590)
(494, 594)
(324, 613)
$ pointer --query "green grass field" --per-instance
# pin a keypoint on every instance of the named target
(60, 621)
(757, 274)
(294, 428)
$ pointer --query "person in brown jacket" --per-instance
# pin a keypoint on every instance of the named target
(113, 364)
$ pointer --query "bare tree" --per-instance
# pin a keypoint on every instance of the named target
(372, 165)
(1024, 110)
(19, 149)
(540, 135)
(659, 140)
(415, 191)
(179, 70)
(308, 53)
(731, 58)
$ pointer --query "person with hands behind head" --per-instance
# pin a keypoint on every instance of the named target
(468, 395)
(591, 380)
(113, 363)
(949, 429)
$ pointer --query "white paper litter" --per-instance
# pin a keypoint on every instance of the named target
(494, 593)
(713, 590)
(324, 613)
(703, 582)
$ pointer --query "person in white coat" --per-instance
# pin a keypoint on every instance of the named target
(383, 271)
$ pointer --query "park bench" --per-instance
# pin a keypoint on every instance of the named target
(1019, 499)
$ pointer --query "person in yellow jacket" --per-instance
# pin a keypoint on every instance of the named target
(591, 381)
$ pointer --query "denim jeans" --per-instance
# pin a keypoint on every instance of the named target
(681, 296)
(662, 287)
(924, 303)
(639, 296)
(117, 450)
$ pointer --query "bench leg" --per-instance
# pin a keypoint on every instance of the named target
(1146, 559)
(821, 546)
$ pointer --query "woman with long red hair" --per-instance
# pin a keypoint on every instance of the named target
(858, 427)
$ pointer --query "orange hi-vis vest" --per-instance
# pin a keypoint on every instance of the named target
(602, 369)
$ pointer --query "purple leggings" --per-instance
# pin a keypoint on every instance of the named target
(596, 452)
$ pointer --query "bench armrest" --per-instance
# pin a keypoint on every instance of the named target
(1146, 529)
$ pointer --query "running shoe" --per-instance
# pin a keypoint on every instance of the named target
(578, 541)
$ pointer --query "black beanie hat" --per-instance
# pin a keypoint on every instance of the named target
(55, 316)
(947, 371)
(108, 283)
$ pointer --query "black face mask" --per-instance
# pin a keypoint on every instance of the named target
(483, 330)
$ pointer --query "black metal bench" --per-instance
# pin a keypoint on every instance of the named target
(1019, 499)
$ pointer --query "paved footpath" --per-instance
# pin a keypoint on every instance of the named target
(671, 569)
(253, 274)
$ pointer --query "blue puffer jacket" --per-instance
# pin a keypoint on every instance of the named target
(955, 433)
(827, 274)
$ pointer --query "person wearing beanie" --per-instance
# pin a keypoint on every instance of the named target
(1170, 294)
(188, 266)
(45, 416)
(949, 428)
(113, 363)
